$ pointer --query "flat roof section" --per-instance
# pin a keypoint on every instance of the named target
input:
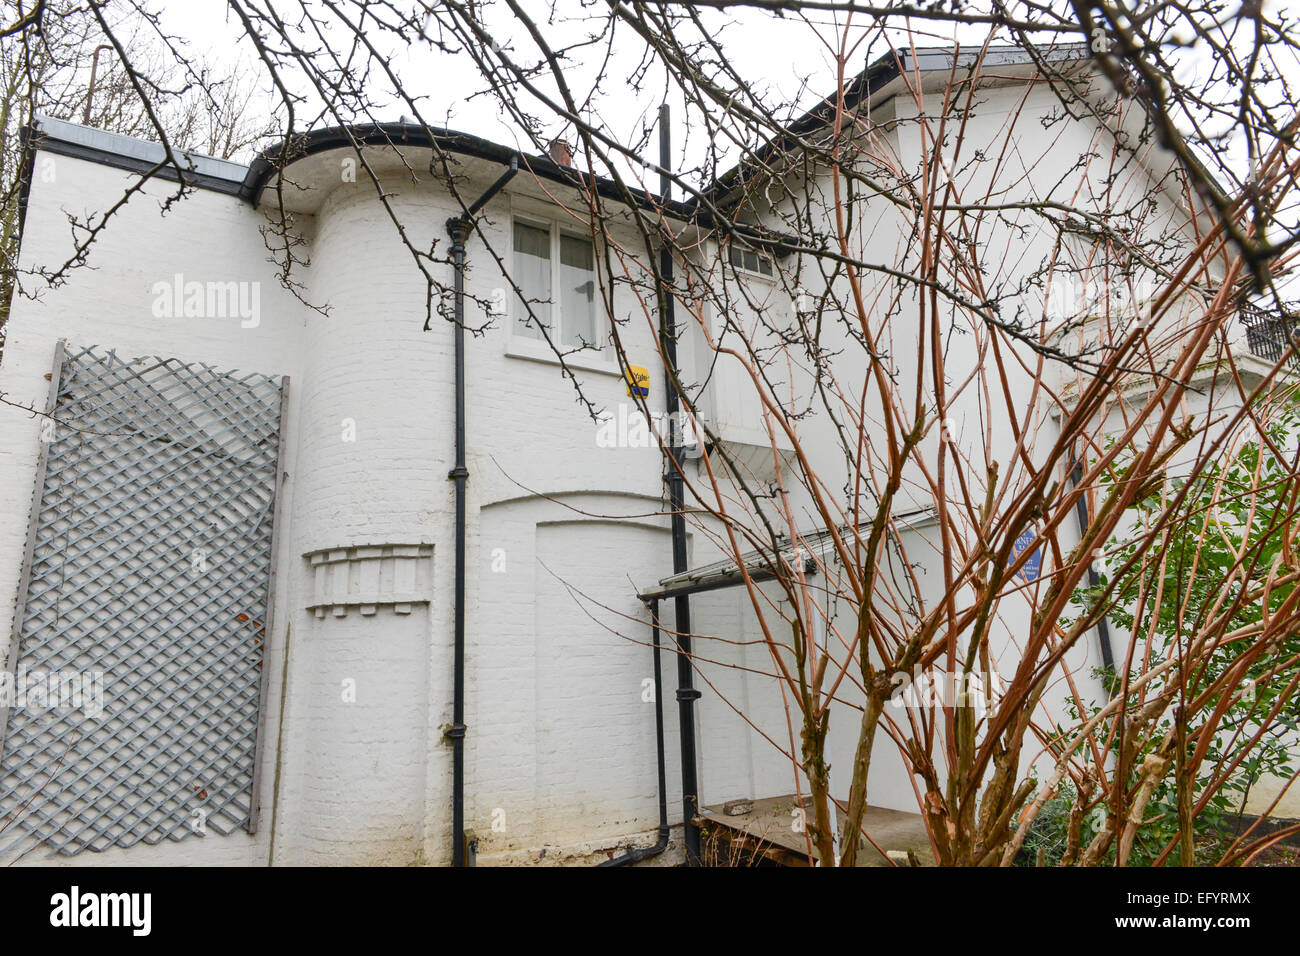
(136, 155)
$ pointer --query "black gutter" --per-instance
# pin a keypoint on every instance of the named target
(269, 161)
(1094, 579)
(636, 855)
(26, 166)
(687, 695)
(257, 175)
(458, 229)
(286, 152)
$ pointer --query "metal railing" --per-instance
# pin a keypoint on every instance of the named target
(1270, 334)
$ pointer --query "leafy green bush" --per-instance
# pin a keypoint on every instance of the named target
(1225, 538)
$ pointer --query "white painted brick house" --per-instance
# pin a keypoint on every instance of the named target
(356, 675)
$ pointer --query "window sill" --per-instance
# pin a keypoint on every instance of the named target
(741, 273)
(587, 360)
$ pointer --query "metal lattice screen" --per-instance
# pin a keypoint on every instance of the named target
(149, 565)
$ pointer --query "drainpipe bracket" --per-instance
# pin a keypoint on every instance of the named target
(457, 230)
(688, 693)
(458, 473)
(455, 732)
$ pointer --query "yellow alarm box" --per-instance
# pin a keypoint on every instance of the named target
(638, 381)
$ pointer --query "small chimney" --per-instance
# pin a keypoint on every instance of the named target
(561, 153)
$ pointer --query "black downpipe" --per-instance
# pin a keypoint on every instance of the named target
(644, 853)
(1094, 579)
(686, 692)
(458, 229)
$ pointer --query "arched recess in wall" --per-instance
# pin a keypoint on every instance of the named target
(563, 744)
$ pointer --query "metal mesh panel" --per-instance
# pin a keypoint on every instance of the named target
(1270, 334)
(150, 561)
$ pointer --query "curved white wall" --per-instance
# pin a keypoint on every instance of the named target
(374, 449)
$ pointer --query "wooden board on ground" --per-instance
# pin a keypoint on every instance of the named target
(773, 832)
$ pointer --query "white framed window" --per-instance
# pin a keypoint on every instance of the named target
(750, 260)
(555, 270)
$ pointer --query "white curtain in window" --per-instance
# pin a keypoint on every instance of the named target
(532, 273)
(578, 290)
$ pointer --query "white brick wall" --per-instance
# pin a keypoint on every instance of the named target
(560, 752)
(369, 781)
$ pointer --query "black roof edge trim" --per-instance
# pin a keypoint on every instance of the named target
(269, 161)
(863, 85)
(263, 169)
(26, 165)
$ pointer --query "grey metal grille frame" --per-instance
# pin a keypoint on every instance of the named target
(1269, 334)
(150, 560)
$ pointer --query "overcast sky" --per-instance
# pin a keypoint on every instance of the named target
(788, 57)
